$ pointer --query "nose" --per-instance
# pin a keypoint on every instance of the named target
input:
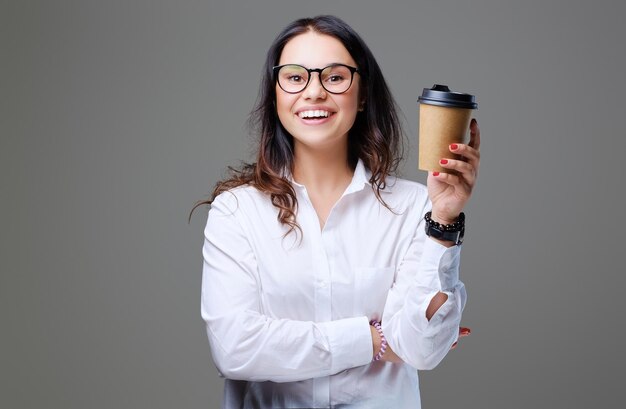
(314, 89)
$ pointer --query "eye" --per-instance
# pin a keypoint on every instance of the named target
(335, 75)
(335, 78)
(293, 74)
(295, 78)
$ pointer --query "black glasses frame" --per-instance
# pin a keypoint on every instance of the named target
(352, 70)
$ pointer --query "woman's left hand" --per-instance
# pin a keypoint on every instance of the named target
(463, 332)
(449, 192)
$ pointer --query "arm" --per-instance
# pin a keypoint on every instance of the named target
(424, 307)
(246, 343)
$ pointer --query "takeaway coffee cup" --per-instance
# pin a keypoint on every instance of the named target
(444, 118)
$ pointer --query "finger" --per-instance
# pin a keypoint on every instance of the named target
(448, 178)
(464, 168)
(474, 134)
(462, 189)
(465, 150)
(468, 153)
(454, 345)
(464, 331)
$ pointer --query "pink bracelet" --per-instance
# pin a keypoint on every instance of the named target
(383, 340)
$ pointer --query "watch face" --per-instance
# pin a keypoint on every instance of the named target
(438, 231)
(453, 236)
(433, 231)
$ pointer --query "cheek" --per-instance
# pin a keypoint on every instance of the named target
(354, 105)
(350, 107)
(352, 98)
(283, 105)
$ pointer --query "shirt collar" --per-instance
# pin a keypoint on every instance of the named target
(360, 178)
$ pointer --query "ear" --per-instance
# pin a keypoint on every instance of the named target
(362, 99)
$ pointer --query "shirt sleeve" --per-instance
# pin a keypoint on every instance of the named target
(427, 268)
(247, 344)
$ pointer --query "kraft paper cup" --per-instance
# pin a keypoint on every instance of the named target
(444, 118)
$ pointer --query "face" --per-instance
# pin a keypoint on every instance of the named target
(338, 111)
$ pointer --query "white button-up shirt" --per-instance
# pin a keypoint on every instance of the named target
(288, 316)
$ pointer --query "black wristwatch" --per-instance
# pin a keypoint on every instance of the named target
(453, 232)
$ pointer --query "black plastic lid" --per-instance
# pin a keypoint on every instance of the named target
(442, 96)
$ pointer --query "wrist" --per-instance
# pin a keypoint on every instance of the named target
(382, 341)
(375, 341)
(445, 232)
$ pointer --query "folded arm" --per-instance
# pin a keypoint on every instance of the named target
(424, 306)
(246, 343)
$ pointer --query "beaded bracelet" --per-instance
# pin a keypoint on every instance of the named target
(458, 225)
(383, 340)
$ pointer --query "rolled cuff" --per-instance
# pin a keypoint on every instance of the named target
(448, 315)
(439, 266)
(429, 341)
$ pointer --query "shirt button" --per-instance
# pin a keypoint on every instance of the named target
(323, 283)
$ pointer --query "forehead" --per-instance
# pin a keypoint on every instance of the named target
(314, 50)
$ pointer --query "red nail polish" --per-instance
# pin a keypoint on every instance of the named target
(443, 161)
(454, 146)
(435, 173)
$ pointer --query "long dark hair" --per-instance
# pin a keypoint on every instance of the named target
(375, 137)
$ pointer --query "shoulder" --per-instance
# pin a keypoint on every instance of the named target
(239, 198)
(404, 189)
(405, 186)
(245, 203)
(404, 196)
(246, 209)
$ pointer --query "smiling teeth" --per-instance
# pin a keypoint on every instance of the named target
(313, 114)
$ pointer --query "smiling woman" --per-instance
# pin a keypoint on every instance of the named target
(318, 121)
(320, 283)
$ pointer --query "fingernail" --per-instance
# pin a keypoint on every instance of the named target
(454, 146)
(435, 173)
(443, 161)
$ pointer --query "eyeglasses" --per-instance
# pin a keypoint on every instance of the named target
(335, 78)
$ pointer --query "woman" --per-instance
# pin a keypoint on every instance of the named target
(320, 286)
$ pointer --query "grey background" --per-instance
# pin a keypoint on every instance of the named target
(116, 116)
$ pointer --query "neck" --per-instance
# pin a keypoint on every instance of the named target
(323, 171)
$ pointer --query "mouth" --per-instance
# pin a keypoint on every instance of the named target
(314, 115)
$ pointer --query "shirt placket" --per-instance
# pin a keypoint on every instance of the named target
(322, 285)
(323, 312)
